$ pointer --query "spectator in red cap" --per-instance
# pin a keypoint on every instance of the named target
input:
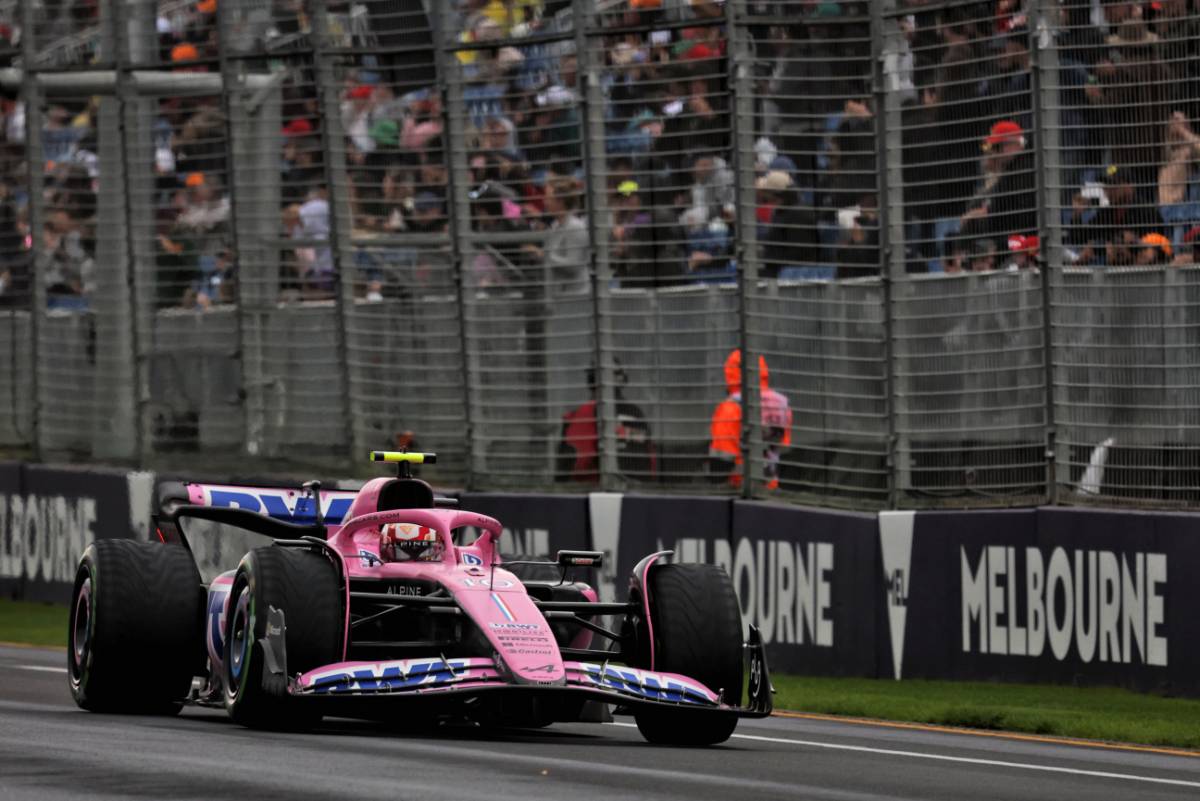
(1024, 251)
(1005, 200)
(298, 127)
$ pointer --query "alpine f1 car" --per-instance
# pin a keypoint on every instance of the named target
(392, 603)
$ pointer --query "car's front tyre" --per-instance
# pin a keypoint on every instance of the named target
(304, 586)
(697, 632)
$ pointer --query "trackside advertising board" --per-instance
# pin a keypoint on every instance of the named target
(1050, 595)
(801, 575)
(1043, 595)
(49, 514)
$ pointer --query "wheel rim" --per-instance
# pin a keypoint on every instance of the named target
(240, 638)
(81, 629)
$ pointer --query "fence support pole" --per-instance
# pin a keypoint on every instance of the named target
(599, 223)
(124, 24)
(1048, 171)
(241, 249)
(740, 82)
(889, 170)
(458, 210)
(337, 185)
(34, 166)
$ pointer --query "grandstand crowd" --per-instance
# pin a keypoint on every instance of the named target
(1119, 119)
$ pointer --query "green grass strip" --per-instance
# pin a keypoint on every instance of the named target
(1096, 713)
(33, 623)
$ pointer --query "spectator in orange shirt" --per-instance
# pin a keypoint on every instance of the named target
(725, 448)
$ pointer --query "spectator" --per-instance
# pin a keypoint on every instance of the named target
(578, 445)
(356, 118)
(567, 244)
(1155, 249)
(858, 252)
(974, 256)
(422, 122)
(708, 242)
(786, 227)
(428, 214)
(1174, 177)
(201, 210)
(1006, 198)
(302, 159)
(1106, 221)
(1023, 251)
(1132, 89)
(852, 155)
(712, 191)
(725, 448)
(216, 284)
(317, 277)
(14, 264)
(1189, 254)
(633, 234)
(67, 269)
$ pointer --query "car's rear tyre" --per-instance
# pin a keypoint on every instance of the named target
(136, 631)
(304, 586)
(697, 627)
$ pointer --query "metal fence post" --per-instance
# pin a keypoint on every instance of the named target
(889, 170)
(229, 85)
(740, 85)
(593, 146)
(1046, 131)
(337, 183)
(32, 97)
(458, 207)
(124, 23)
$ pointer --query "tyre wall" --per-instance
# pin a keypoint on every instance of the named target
(1049, 595)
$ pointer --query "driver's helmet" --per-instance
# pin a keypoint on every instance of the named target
(408, 542)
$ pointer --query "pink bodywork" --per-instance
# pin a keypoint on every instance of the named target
(523, 643)
(524, 650)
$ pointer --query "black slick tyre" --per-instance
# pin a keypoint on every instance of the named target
(697, 626)
(304, 586)
(136, 631)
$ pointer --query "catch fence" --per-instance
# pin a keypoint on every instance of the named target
(529, 235)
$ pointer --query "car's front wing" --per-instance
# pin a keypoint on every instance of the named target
(619, 684)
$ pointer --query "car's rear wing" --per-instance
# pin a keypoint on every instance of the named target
(289, 505)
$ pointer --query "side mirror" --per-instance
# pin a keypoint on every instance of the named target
(580, 558)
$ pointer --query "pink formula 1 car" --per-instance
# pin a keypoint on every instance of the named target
(391, 603)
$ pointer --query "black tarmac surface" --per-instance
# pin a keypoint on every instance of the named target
(49, 749)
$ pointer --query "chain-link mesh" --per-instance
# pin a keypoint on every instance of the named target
(967, 328)
(404, 332)
(1123, 88)
(666, 205)
(16, 384)
(515, 134)
(547, 238)
(811, 155)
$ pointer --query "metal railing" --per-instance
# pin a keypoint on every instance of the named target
(530, 235)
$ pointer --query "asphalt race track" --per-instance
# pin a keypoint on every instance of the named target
(49, 749)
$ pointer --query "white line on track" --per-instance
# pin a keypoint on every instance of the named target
(1100, 774)
(42, 668)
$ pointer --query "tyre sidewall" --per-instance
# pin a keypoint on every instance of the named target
(80, 671)
(243, 693)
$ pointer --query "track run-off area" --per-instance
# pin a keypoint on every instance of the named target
(49, 749)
